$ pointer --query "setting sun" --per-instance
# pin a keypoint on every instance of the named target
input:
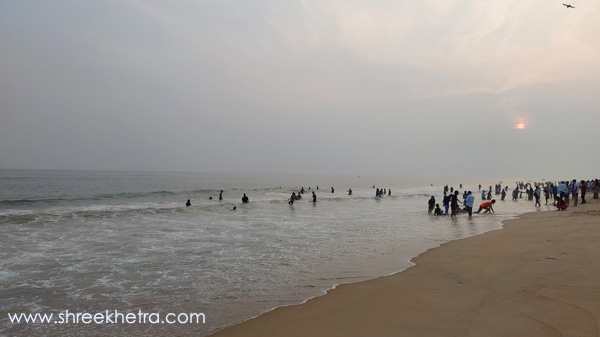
(520, 126)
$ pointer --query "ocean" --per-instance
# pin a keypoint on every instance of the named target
(88, 242)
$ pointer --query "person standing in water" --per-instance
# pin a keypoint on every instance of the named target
(188, 203)
(332, 190)
(537, 193)
(245, 199)
(469, 201)
(438, 210)
(350, 192)
(446, 203)
(314, 197)
(431, 204)
(221, 195)
(454, 203)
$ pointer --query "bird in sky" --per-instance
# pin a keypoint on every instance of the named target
(568, 6)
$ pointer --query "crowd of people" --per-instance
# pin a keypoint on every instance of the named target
(451, 203)
(562, 194)
(379, 192)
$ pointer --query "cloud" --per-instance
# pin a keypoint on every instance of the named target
(273, 83)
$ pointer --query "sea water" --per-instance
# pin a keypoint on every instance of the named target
(87, 241)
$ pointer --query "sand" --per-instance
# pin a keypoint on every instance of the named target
(538, 276)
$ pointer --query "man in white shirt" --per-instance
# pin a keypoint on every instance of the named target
(575, 192)
(562, 190)
(469, 203)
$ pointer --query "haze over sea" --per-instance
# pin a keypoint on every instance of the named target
(88, 241)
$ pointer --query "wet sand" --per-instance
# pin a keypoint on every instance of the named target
(538, 276)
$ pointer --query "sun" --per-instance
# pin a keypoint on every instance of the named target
(520, 126)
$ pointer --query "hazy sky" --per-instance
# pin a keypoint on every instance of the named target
(417, 88)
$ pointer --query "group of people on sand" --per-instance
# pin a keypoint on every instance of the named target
(561, 194)
(565, 192)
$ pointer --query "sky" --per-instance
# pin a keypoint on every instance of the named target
(405, 87)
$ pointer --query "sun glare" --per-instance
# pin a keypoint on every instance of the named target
(520, 126)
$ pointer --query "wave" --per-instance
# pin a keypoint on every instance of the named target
(97, 197)
(159, 201)
(91, 211)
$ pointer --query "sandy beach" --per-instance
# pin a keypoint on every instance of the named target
(538, 276)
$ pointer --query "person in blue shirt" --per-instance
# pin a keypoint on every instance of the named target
(469, 201)
(554, 190)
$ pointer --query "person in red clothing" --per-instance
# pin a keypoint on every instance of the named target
(487, 206)
(561, 205)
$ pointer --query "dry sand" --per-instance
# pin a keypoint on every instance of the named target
(539, 276)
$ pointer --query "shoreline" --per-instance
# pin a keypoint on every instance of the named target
(463, 287)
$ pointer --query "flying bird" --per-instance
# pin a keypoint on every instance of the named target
(568, 6)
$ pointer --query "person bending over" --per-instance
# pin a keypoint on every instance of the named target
(487, 206)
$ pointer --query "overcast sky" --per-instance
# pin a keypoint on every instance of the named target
(404, 87)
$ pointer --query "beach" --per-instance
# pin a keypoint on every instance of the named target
(87, 242)
(538, 276)
(56, 228)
